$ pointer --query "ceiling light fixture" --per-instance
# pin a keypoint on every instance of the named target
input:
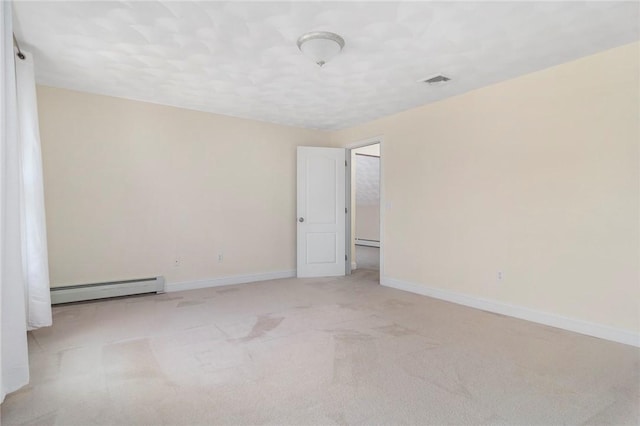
(320, 46)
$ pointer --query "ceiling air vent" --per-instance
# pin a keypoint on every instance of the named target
(436, 80)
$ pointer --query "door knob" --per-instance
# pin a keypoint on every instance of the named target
(301, 220)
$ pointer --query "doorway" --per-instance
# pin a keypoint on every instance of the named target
(365, 207)
(328, 197)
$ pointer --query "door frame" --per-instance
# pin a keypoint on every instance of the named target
(349, 147)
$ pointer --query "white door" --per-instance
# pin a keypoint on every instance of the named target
(321, 212)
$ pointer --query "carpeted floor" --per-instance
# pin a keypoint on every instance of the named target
(316, 351)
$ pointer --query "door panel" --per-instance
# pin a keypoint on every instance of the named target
(321, 248)
(321, 212)
(321, 183)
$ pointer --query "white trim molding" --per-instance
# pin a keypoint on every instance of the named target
(383, 197)
(578, 326)
(366, 142)
(231, 280)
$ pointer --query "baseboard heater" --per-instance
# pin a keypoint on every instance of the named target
(78, 293)
(365, 242)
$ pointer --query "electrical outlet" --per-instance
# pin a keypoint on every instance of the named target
(500, 275)
(220, 257)
(176, 262)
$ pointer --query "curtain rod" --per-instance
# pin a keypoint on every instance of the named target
(15, 43)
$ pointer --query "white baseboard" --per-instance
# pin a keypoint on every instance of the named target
(235, 279)
(579, 326)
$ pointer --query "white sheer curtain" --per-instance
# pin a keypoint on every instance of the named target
(24, 286)
(32, 213)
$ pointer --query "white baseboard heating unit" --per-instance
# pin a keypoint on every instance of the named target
(365, 242)
(77, 293)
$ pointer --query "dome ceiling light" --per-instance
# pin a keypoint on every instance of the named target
(320, 46)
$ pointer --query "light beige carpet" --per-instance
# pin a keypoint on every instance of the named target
(316, 351)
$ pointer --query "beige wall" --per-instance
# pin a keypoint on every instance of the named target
(132, 186)
(537, 177)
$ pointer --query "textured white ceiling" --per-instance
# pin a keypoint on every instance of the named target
(241, 58)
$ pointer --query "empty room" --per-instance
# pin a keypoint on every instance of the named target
(319, 213)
